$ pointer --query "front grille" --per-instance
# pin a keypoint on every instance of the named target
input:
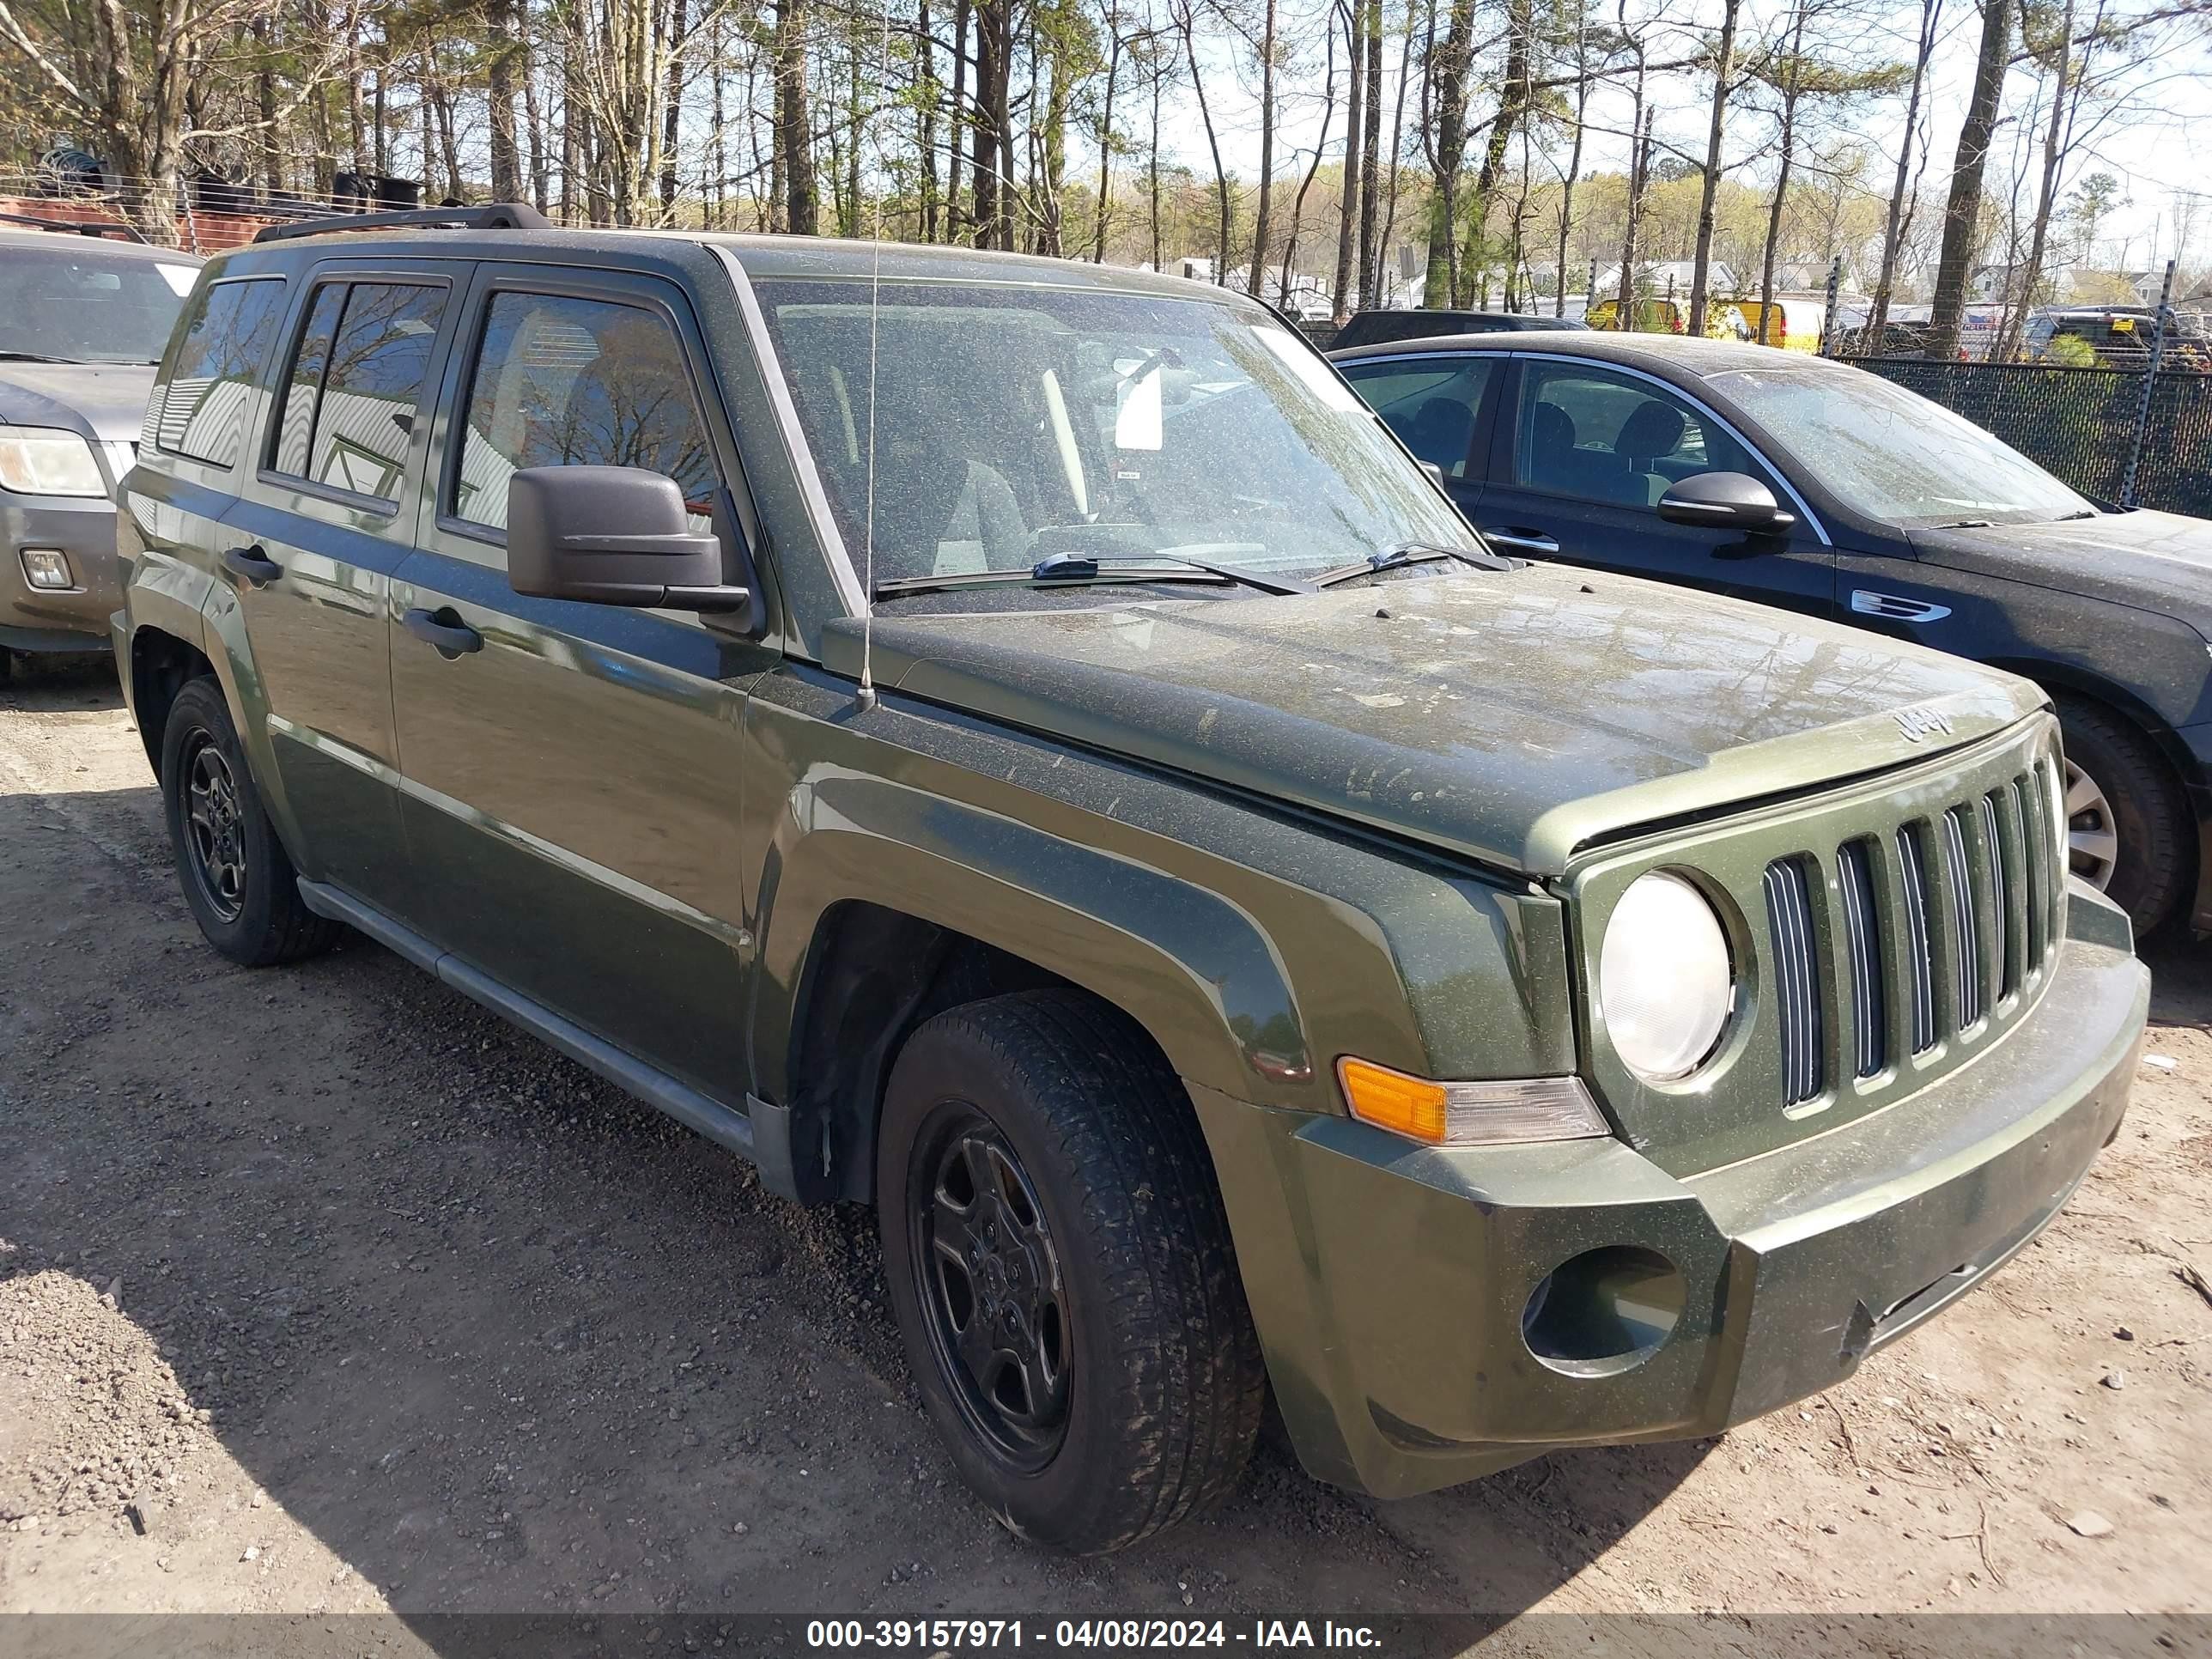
(1891, 944)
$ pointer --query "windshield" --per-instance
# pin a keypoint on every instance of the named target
(1892, 454)
(76, 301)
(1014, 423)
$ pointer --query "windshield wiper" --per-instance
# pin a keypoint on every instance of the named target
(42, 357)
(1083, 570)
(1966, 524)
(1405, 553)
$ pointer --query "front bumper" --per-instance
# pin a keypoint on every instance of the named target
(1388, 1281)
(57, 619)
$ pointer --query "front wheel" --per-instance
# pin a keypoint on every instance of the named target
(1062, 1270)
(2127, 834)
(237, 876)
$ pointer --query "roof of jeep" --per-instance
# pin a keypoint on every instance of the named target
(760, 256)
(1684, 354)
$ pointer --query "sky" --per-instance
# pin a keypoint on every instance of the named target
(2153, 142)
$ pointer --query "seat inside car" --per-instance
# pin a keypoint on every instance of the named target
(1652, 429)
(1558, 463)
(1440, 432)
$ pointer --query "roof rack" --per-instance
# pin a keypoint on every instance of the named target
(74, 227)
(500, 215)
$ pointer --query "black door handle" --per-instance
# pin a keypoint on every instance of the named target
(253, 565)
(453, 639)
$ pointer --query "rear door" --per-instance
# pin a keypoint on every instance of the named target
(309, 551)
(572, 773)
(1581, 458)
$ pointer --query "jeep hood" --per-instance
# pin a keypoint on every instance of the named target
(104, 401)
(1512, 717)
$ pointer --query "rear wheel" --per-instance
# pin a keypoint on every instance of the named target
(1062, 1270)
(2127, 834)
(237, 877)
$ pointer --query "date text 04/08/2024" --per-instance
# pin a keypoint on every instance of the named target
(951, 1635)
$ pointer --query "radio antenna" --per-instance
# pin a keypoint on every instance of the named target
(866, 698)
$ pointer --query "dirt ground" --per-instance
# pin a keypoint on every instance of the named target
(323, 1290)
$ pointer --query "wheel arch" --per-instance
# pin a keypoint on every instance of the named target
(2192, 788)
(2066, 680)
(161, 665)
(872, 932)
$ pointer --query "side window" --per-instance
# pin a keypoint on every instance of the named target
(1432, 405)
(201, 408)
(355, 387)
(562, 381)
(1613, 438)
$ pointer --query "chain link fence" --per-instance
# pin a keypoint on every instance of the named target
(2079, 423)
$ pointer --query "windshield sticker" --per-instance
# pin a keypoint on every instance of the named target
(180, 277)
(1136, 412)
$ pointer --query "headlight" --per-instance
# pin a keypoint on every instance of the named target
(39, 460)
(1664, 985)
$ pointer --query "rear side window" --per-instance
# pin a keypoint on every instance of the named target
(563, 381)
(200, 410)
(355, 390)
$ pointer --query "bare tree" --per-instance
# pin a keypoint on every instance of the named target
(1962, 215)
(1893, 232)
(1723, 88)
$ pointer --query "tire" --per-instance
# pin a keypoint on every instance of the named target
(236, 875)
(7, 665)
(2130, 836)
(1143, 1391)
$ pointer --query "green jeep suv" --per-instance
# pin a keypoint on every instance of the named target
(1018, 745)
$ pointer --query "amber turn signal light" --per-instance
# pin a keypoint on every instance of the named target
(1469, 1114)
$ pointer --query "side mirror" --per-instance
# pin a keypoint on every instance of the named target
(613, 535)
(1725, 501)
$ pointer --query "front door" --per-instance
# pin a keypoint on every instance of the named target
(309, 550)
(571, 771)
(1580, 458)
(1437, 405)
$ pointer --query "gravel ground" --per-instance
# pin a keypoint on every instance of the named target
(322, 1291)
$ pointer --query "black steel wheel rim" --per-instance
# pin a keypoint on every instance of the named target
(214, 828)
(988, 1277)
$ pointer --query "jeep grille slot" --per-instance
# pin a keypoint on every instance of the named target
(1863, 934)
(2047, 863)
(1797, 978)
(1965, 924)
(1913, 878)
(2000, 825)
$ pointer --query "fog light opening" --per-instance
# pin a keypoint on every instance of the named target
(1604, 1311)
(47, 567)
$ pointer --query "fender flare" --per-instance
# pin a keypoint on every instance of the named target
(1194, 970)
